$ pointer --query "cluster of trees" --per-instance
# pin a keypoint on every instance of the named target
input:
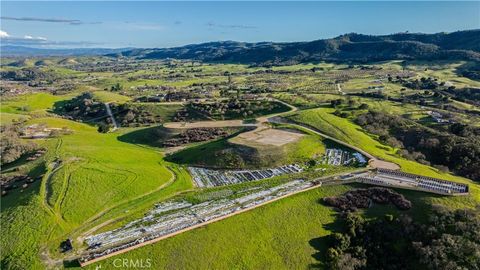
(85, 108)
(153, 88)
(182, 116)
(104, 127)
(235, 108)
(422, 84)
(463, 130)
(116, 87)
(128, 115)
(439, 98)
(336, 102)
(196, 135)
(469, 95)
(178, 96)
(470, 70)
(82, 107)
(12, 146)
(450, 239)
(27, 74)
(441, 91)
(364, 198)
(456, 148)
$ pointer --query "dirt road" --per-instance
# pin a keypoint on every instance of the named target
(277, 118)
(339, 89)
(229, 123)
(109, 112)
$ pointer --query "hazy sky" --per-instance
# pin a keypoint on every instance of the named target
(167, 24)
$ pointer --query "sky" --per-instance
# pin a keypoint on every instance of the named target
(155, 24)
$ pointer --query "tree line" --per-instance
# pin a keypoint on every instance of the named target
(456, 147)
(449, 239)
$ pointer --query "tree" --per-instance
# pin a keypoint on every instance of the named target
(336, 102)
(103, 128)
(12, 147)
(116, 87)
(448, 239)
(363, 106)
(25, 108)
(351, 102)
(341, 241)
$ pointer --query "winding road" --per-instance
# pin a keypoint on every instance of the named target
(277, 118)
(109, 112)
(339, 89)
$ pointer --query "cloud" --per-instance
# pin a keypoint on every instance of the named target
(32, 38)
(32, 41)
(3, 34)
(42, 43)
(50, 20)
(231, 26)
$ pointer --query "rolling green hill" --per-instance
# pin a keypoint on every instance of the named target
(324, 120)
(234, 154)
(97, 177)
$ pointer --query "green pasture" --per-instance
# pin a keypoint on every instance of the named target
(99, 177)
(31, 104)
(7, 118)
(107, 96)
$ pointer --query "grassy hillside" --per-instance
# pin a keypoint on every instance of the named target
(151, 136)
(295, 242)
(260, 239)
(324, 120)
(155, 136)
(287, 234)
(30, 104)
(95, 179)
(225, 153)
(7, 118)
(107, 96)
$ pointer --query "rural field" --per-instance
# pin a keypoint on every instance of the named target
(353, 152)
(91, 181)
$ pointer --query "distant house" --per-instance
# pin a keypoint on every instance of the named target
(438, 117)
(250, 96)
(376, 87)
(37, 131)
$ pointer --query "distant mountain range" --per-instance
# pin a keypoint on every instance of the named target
(461, 45)
(12, 50)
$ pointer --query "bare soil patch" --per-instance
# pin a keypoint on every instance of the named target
(376, 163)
(270, 136)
